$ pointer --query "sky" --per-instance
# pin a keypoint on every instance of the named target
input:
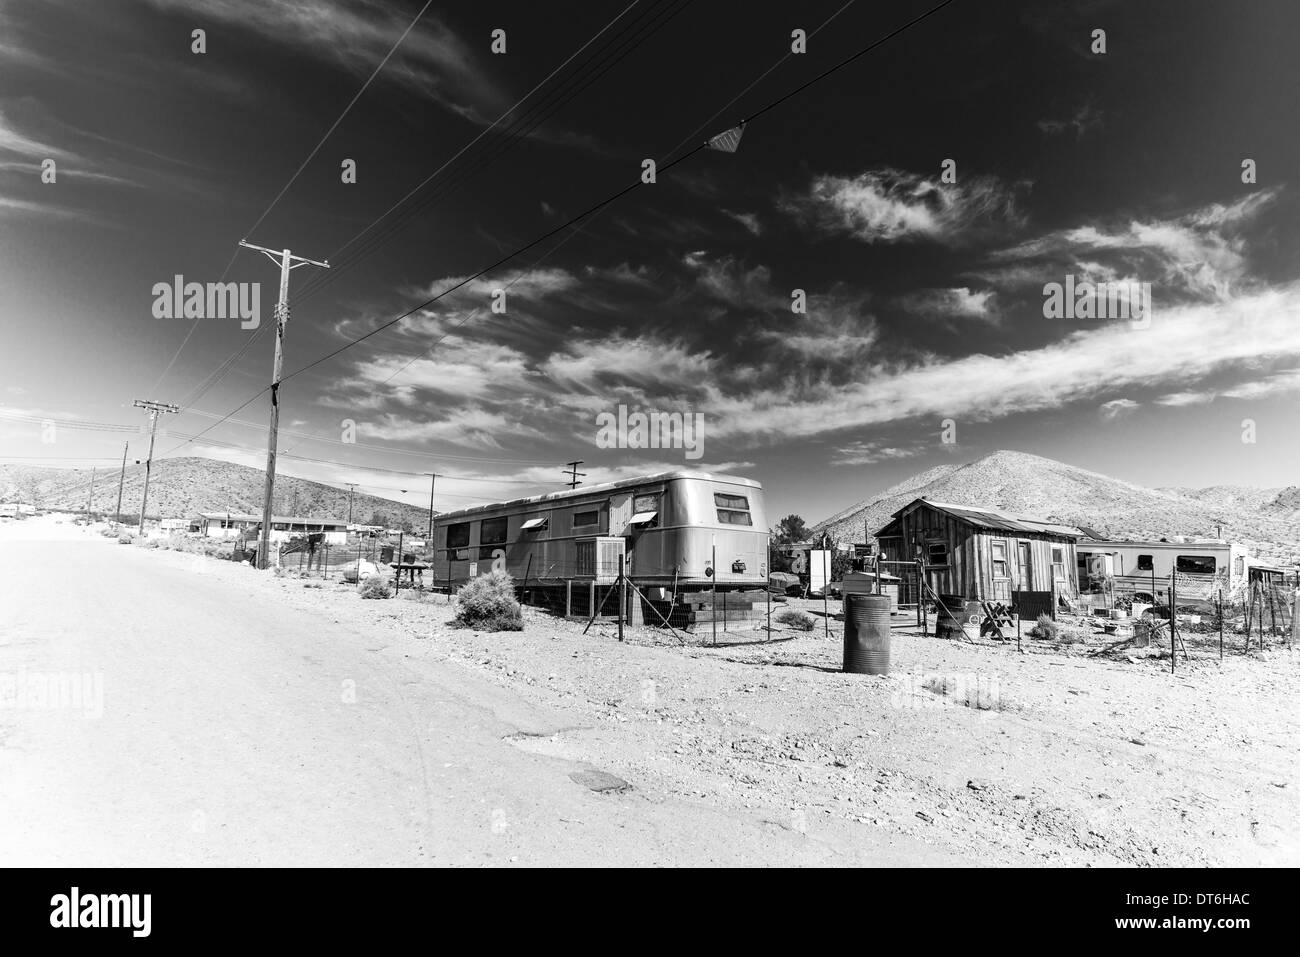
(919, 202)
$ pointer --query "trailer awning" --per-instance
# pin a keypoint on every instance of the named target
(642, 518)
(534, 523)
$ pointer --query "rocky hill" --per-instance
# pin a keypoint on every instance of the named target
(1032, 485)
(181, 487)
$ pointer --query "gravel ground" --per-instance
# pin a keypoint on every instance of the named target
(1051, 756)
(966, 752)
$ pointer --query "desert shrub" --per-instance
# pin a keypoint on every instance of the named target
(374, 586)
(125, 538)
(487, 603)
(1044, 628)
(793, 618)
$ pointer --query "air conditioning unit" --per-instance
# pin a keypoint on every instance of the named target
(610, 551)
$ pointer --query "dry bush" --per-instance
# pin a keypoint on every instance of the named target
(793, 618)
(487, 603)
(1044, 628)
(374, 586)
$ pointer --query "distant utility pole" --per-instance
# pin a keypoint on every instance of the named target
(121, 479)
(351, 488)
(90, 502)
(433, 479)
(574, 474)
(287, 262)
(154, 408)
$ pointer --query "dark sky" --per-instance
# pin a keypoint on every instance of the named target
(925, 297)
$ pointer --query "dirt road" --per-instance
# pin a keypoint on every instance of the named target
(234, 727)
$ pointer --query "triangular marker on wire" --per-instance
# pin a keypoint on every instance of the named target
(728, 140)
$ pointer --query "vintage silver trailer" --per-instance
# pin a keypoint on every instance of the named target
(665, 525)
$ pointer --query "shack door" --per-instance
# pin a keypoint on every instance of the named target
(1026, 579)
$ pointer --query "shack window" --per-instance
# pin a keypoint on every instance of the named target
(732, 509)
(1196, 564)
(583, 519)
(1058, 563)
(493, 531)
(936, 553)
(458, 535)
(1000, 567)
(1146, 563)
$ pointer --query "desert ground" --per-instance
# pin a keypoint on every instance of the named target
(250, 719)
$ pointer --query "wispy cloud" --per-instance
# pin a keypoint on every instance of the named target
(432, 60)
(889, 206)
(1116, 408)
(1084, 119)
(960, 303)
(867, 453)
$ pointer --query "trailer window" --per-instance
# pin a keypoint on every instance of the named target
(1146, 563)
(583, 519)
(732, 509)
(1196, 564)
(458, 535)
(493, 531)
(645, 503)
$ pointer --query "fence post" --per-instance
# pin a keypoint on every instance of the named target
(622, 595)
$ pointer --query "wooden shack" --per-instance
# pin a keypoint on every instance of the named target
(979, 553)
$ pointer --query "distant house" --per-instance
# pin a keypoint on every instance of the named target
(978, 553)
(179, 525)
(283, 527)
(14, 509)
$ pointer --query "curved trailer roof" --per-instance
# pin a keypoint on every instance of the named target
(603, 487)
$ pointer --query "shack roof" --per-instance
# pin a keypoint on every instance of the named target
(992, 519)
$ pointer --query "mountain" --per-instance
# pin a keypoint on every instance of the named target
(182, 487)
(1031, 485)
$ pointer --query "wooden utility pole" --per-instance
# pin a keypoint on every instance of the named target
(154, 408)
(433, 479)
(572, 469)
(90, 502)
(287, 262)
(120, 480)
(352, 487)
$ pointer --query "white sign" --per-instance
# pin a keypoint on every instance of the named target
(819, 568)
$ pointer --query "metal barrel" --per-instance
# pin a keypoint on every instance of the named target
(866, 634)
(950, 610)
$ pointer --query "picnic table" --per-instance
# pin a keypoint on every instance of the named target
(412, 569)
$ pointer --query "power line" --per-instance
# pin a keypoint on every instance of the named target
(292, 179)
(335, 124)
(603, 203)
(314, 284)
(419, 186)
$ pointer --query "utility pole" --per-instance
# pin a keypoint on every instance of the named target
(287, 262)
(433, 479)
(351, 488)
(572, 468)
(154, 408)
(90, 503)
(120, 480)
